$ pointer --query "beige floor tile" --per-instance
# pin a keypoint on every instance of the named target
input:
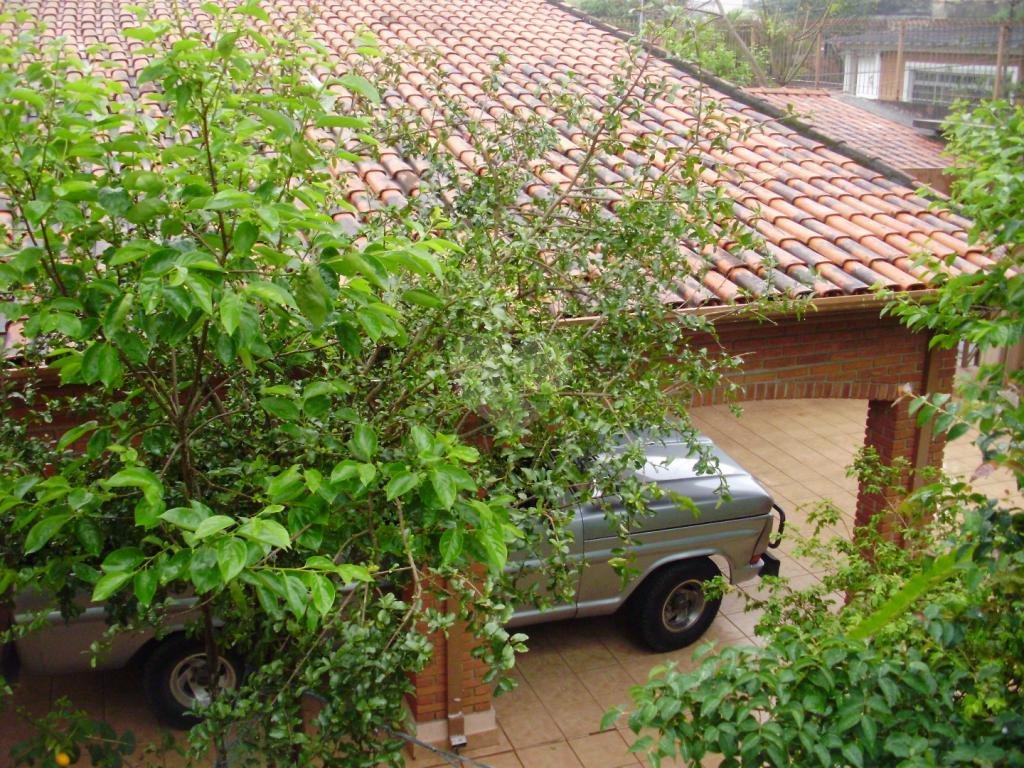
(541, 667)
(584, 659)
(530, 728)
(502, 745)
(603, 750)
(745, 622)
(558, 755)
(506, 760)
(576, 715)
(609, 686)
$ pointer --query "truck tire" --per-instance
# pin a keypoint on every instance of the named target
(673, 610)
(175, 679)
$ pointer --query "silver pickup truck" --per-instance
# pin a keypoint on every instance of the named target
(675, 551)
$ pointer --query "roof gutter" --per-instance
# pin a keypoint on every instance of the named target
(888, 171)
(747, 313)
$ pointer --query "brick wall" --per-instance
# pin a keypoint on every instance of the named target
(853, 355)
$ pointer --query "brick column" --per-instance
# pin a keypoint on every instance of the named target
(451, 703)
(891, 431)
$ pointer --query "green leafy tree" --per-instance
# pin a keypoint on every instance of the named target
(309, 421)
(697, 36)
(904, 655)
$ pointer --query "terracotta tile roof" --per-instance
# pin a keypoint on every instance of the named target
(898, 145)
(830, 225)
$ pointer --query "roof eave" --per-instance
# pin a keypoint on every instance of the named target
(748, 313)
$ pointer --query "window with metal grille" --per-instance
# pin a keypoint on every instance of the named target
(933, 83)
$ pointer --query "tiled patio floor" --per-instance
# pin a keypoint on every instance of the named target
(575, 670)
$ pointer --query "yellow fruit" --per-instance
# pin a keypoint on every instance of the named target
(62, 759)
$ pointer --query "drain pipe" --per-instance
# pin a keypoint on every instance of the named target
(453, 677)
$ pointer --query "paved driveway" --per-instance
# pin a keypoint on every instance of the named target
(575, 670)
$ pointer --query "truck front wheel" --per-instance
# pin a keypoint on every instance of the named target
(673, 610)
(176, 679)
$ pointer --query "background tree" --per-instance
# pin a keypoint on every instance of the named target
(695, 33)
(309, 420)
(922, 663)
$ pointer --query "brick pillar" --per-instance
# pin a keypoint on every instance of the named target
(891, 431)
(451, 699)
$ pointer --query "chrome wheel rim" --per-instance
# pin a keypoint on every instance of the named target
(683, 606)
(190, 680)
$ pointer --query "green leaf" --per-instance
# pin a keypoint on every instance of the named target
(201, 291)
(312, 296)
(342, 121)
(230, 312)
(245, 236)
(363, 442)
(228, 199)
(89, 535)
(272, 293)
(422, 298)
(280, 122)
(113, 319)
(101, 363)
(108, 584)
(609, 718)
(123, 559)
(323, 593)
(451, 545)
(226, 43)
(212, 525)
(283, 408)
(957, 430)
(29, 97)
(496, 553)
(266, 532)
(360, 85)
(344, 470)
(44, 530)
(295, 594)
(853, 754)
(286, 486)
(232, 555)
(146, 210)
(144, 181)
(134, 477)
(35, 210)
(444, 486)
(203, 570)
(116, 202)
(145, 583)
(76, 191)
(145, 34)
(75, 433)
(350, 573)
(188, 518)
(890, 690)
(401, 484)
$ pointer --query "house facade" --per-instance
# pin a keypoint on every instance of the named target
(929, 65)
(833, 225)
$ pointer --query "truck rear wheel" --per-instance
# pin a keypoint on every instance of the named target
(673, 610)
